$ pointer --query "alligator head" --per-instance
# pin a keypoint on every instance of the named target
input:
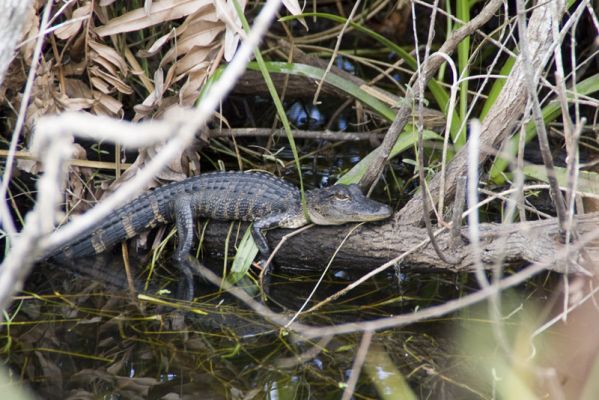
(339, 204)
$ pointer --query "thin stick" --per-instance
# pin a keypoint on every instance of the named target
(458, 208)
(335, 51)
(323, 274)
(130, 281)
(356, 368)
(298, 134)
(374, 272)
(420, 125)
(530, 81)
(7, 221)
(280, 244)
(472, 197)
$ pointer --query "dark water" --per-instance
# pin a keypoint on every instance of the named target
(78, 337)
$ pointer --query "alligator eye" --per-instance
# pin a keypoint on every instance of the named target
(341, 196)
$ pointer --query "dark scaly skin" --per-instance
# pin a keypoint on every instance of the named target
(266, 200)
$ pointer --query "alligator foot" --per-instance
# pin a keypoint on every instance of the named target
(265, 278)
(185, 285)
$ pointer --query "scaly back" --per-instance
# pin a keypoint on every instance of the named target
(232, 195)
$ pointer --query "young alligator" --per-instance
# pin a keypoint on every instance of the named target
(268, 201)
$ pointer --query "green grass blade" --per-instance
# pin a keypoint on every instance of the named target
(209, 83)
(497, 87)
(439, 93)
(550, 113)
(317, 73)
(463, 14)
(408, 139)
(245, 255)
(588, 182)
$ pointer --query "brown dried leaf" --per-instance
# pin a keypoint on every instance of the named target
(170, 77)
(294, 8)
(145, 155)
(100, 84)
(109, 54)
(109, 79)
(193, 60)
(43, 95)
(30, 32)
(14, 81)
(228, 14)
(77, 188)
(196, 31)
(66, 103)
(161, 11)
(157, 45)
(172, 172)
(76, 88)
(105, 64)
(107, 105)
(74, 68)
(205, 14)
(78, 96)
(153, 100)
(143, 111)
(159, 83)
(190, 91)
(72, 26)
(196, 37)
(199, 35)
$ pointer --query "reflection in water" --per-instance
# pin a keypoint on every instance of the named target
(84, 336)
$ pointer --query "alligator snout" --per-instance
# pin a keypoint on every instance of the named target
(366, 209)
(380, 211)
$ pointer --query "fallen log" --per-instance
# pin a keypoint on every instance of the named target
(374, 244)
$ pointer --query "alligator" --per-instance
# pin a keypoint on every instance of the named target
(264, 199)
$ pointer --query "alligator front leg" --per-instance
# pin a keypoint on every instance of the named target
(258, 229)
(258, 235)
(184, 223)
